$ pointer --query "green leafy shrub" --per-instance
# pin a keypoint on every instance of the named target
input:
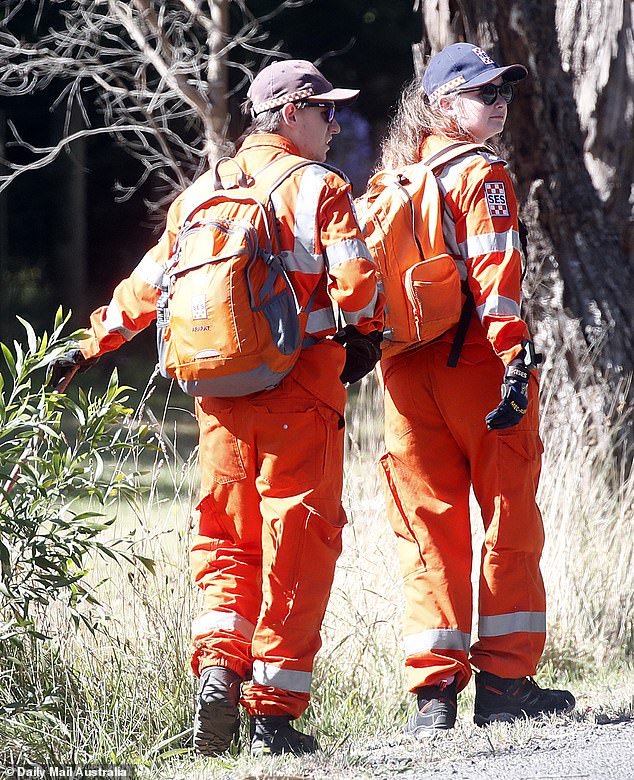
(55, 491)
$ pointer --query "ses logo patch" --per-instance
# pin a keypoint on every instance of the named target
(495, 193)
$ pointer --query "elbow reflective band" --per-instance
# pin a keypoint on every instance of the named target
(487, 243)
(348, 249)
(113, 322)
(149, 271)
(498, 305)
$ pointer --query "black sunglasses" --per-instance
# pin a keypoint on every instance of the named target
(489, 93)
(327, 115)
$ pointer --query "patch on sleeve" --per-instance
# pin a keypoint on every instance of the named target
(495, 193)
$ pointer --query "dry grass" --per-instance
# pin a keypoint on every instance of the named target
(127, 695)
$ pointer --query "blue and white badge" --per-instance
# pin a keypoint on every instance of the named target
(495, 193)
(482, 55)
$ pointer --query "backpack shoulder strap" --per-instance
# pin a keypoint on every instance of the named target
(451, 152)
(437, 160)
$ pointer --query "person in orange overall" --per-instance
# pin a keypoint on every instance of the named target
(270, 518)
(447, 430)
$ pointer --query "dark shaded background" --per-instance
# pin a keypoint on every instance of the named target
(63, 237)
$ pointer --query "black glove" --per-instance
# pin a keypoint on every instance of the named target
(362, 352)
(514, 389)
(64, 368)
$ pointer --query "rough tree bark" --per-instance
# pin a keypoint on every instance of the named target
(570, 135)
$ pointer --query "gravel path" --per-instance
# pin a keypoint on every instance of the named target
(557, 750)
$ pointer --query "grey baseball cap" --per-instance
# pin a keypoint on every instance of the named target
(289, 81)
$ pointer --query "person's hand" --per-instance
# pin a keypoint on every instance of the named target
(64, 368)
(362, 352)
(514, 390)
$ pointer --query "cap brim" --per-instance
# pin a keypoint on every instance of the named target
(337, 96)
(508, 73)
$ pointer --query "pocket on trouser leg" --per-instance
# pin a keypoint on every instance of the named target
(220, 451)
(213, 535)
(517, 525)
(409, 550)
(226, 561)
(300, 549)
(296, 591)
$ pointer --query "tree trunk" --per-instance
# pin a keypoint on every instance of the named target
(217, 75)
(571, 145)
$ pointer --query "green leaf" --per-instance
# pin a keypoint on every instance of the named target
(30, 335)
(149, 563)
(8, 359)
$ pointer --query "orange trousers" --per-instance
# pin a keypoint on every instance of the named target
(438, 447)
(269, 535)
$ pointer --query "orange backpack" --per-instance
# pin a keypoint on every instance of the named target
(401, 218)
(228, 320)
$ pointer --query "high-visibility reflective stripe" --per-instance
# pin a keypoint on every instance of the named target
(113, 322)
(226, 621)
(303, 258)
(310, 187)
(348, 249)
(286, 679)
(149, 271)
(322, 319)
(512, 623)
(452, 171)
(491, 158)
(436, 639)
(486, 243)
(303, 263)
(353, 317)
(498, 305)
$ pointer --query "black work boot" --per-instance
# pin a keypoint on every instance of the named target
(217, 720)
(437, 707)
(506, 699)
(272, 735)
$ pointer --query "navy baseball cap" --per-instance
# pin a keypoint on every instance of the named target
(465, 66)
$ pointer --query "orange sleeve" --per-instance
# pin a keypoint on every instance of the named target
(352, 273)
(488, 239)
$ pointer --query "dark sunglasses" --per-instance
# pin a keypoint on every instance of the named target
(328, 115)
(489, 93)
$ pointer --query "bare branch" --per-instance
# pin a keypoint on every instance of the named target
(51, 153)
(151, 74)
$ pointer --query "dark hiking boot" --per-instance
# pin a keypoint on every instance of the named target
(272, 735)
(437, 707)
(506, 699)
(217, 720)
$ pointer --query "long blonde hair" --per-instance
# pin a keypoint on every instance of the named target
(416, 119)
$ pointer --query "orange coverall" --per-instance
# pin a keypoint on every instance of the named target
(438, 447)
(270, 518)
